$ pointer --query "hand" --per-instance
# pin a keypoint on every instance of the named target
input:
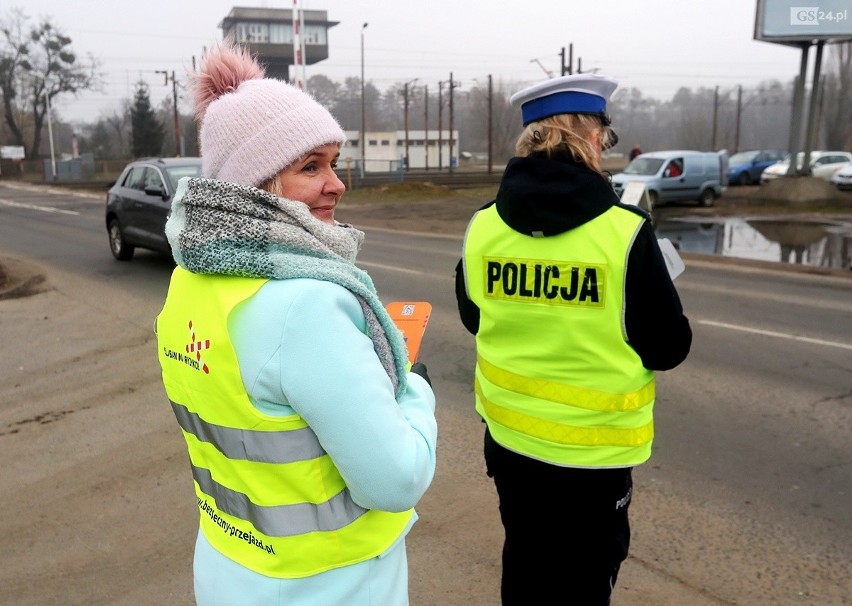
(419, 368)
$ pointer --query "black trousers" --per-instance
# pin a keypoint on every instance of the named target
(566, 529)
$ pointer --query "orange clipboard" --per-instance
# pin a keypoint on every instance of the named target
(411, 318)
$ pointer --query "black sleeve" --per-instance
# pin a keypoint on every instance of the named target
(468, 310)
(656, 326)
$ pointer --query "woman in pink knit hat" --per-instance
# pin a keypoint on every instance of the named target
(310, 436)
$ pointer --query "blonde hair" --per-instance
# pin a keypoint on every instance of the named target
(583, 136)
(273, 186)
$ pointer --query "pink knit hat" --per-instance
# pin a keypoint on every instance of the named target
(253, 127)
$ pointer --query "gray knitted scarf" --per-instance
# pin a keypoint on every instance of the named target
(221, 228)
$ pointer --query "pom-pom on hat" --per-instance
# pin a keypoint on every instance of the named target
(575, 94)
(252, 127)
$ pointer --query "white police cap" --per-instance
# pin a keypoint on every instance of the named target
(575, 94)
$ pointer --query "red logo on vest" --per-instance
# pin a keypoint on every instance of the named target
(195, 346)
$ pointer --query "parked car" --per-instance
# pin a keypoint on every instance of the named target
(676, 176)
(842, 179)
(139, 202)
(823, 165)
(744, 168)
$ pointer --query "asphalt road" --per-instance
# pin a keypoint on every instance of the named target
(745, 500)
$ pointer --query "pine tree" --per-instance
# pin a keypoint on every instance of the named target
(147, 131)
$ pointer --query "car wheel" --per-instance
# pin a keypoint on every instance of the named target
(745, 179)
(120, 249)
(707, 198)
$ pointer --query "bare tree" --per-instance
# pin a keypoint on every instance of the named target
(635, 118)
(324, 90)
(505, 120)
(36, 65)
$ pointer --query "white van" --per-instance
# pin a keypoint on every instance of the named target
(677, 176)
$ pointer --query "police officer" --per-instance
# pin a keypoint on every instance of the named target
(573, 310)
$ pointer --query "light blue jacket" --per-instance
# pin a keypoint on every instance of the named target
(301, 347)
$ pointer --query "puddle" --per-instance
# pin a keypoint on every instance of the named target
(815, 243)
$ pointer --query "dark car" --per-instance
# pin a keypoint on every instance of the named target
(745, 168)
(140, 201)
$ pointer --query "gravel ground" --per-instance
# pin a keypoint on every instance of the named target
(97, 509)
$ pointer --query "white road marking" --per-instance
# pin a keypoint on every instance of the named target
(392, 268)
(44, 209)
(780, 335)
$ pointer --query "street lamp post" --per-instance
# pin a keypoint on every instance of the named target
(46, 91)
(175, 105)
(490, 121)
(50, 137)
(363, 113)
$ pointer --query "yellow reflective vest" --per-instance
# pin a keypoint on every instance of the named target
(555, 377)
(269, 496)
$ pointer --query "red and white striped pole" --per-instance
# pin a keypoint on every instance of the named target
(298, 60)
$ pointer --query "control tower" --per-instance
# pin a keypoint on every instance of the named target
(268, 34)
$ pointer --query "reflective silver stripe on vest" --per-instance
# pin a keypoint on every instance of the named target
(267, 447)
(248, 445)
(281, 520)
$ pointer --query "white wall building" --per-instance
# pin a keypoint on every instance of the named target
(385, 151)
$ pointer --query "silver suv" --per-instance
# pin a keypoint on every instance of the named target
(139, 202)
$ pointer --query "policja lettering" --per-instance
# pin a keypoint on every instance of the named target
(544, 281)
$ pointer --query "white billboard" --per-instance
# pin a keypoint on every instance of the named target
(803, 21)
(12, 152)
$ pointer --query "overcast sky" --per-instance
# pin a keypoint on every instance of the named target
(656, 46)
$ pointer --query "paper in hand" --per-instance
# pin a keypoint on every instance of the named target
(674, 263)
(411, 318)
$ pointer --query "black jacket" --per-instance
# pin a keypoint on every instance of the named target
(555, 195)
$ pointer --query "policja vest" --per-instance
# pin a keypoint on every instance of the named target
(269, 496)
(555, 377)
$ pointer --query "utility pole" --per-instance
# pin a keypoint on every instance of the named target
(570, 59)
(176, 116)
(363, 113)
(426, 124)
(739, 116)
(715, 117)
(490, 123)
(440, 125)
(405, 95)
(452, 86)
(568, 70)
